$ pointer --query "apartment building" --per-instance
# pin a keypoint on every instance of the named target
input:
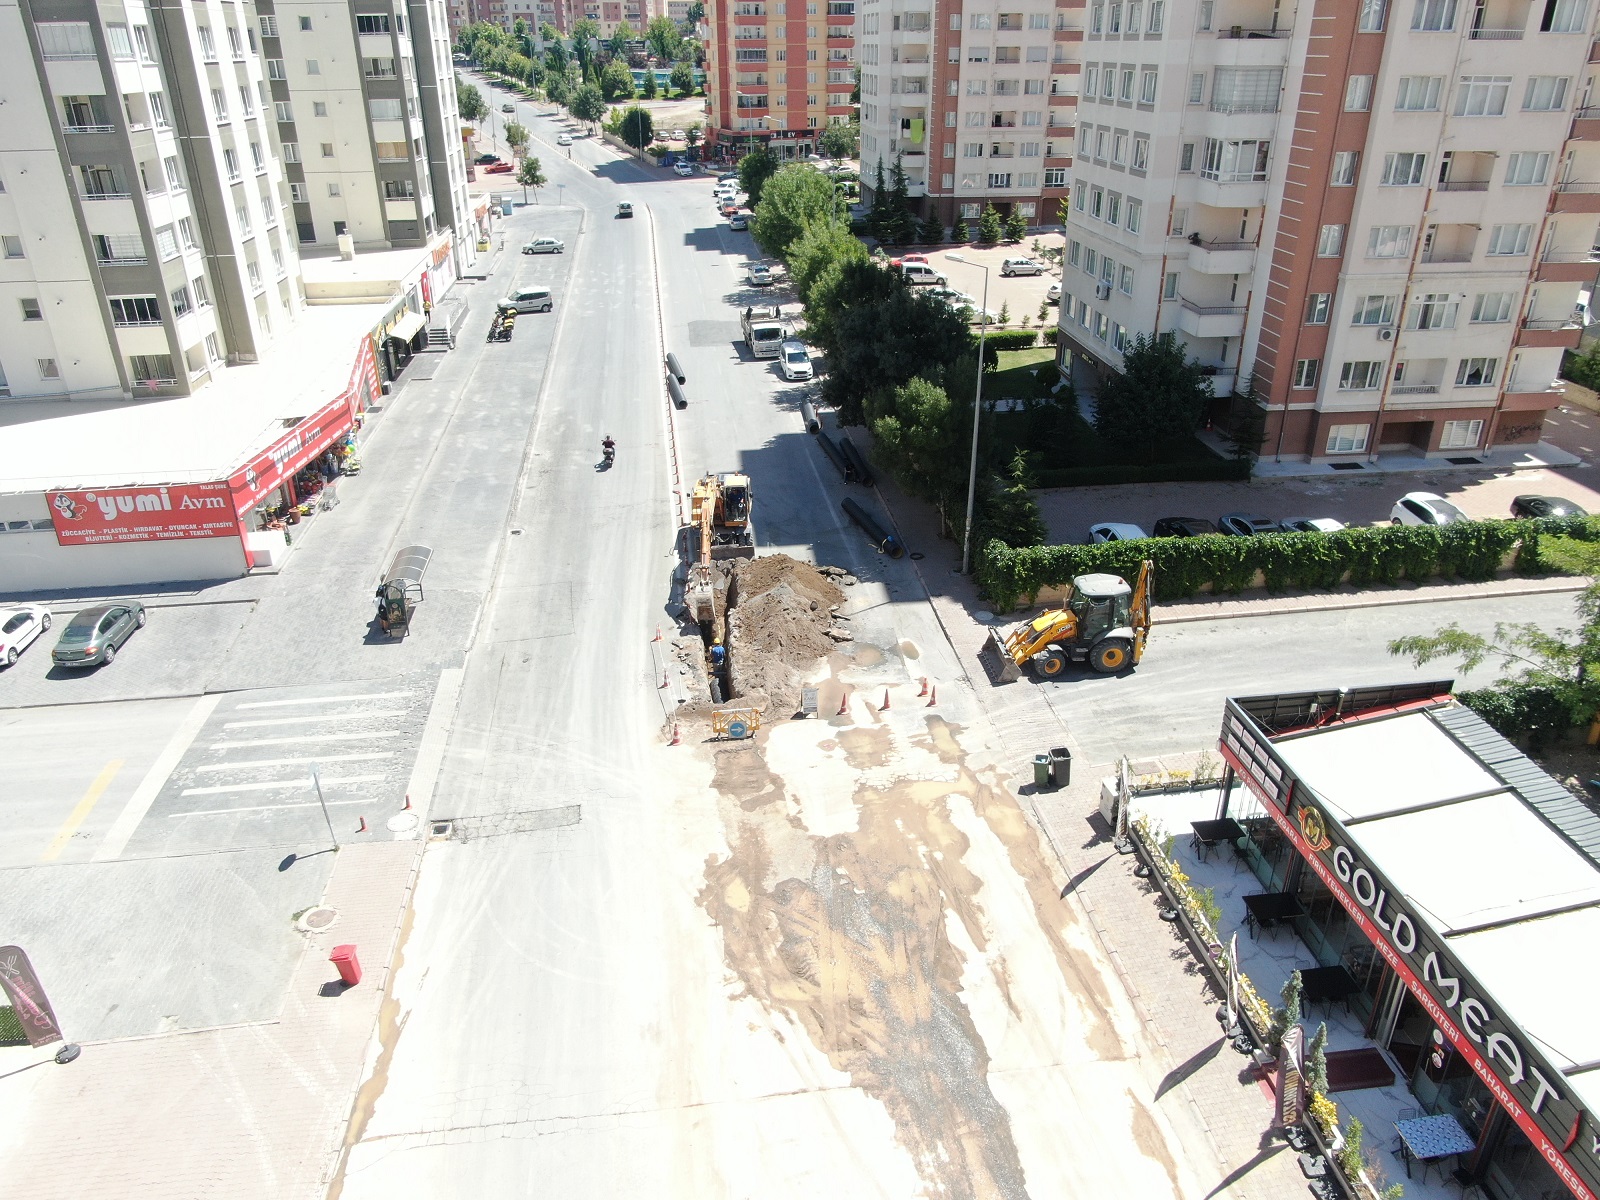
(363, 95)
(141, 200)
(1371, 218)
(977, 100)
(777, 72)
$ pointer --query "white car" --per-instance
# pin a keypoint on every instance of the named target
(727, 191)
(1311, 525)
(760, 275)
(564, 139)
(683, 167)
(1053, 294)
(965, 305)
(1021, 266)
(544, 246)
(21, 624)
(1424, 508)
(794, 360)
(508, 108)
(1115, 531)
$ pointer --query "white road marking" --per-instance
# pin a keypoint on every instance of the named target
(322, 700)
(310, 737)
(302, 781)
(222, 812)
(350, 716)
(133, 812)
(430, 750)
(242, 763)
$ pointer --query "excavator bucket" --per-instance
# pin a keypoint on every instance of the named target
(1140, 609)
(1010, 670)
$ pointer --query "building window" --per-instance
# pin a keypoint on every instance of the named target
(253, 272)
(166, 243)
(1141, 153)
(30, 309)
(313, 67)
(1317, 306)
(1389, 241)
(1432, 310)
(247, 102)
(298, 193)
(48, 368)
(202, 293)
(219, 104)
(399, 189)
(1358, 93)
(269, 26)
(1180, 221)
(208, 44)
(1186, 157)
(1097, 202)
(1482, 95)
(1229, 161)
(1546, 93)
(275, 69)
(291, 152)
(1347, 439)
(1147, 88)
(141, 39)
(1476, 372)
(375, 23)
(1343, 173)
(327, 149)
(1113, 208)
(1433, 16)
(1418, 93)
(235, 42)
(333, 189)
(1374, 310)
(135, 310)
(1460, 435)
(158, 110)
(1492, 308)
(151, 368)
(121, 44)
(213, 348)
(230, 163)
(1125, 92)
(971, 211)
(1305, 372)
(1091, 81)
(186, 233)
(180, 301)
(1527, 168)
(1074, 253)
(1363, 376)
(1169, 289)
(1564, 16)
(1509, 240)
(1125, 280)
(1135, 217)
(1330, 241)
(1404, 169)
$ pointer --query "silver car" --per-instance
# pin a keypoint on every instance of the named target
(1021, 266)
(96, 634)
(544, 246)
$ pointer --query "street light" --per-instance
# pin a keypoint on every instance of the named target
(977, 411)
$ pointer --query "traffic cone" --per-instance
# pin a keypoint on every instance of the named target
(657, 638)
(362, 828)
(885, 706)
(924, 690)
(407, 807)
(675, 739)
(933, 695)
(844, 703)
(665, 682)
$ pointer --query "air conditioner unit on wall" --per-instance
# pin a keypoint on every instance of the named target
(1386, 335)
(1103, 290)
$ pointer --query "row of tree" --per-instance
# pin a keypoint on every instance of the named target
(563, 67)
(891, 221)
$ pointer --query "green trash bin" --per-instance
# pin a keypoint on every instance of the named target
(1041, 771)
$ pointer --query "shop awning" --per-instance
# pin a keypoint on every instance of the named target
(407, 327)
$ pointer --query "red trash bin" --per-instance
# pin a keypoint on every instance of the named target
(344, 957)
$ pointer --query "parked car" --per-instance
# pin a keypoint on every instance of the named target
(20, 625)
(563, 139)
(487, 158)
(738, 220)
(1021, 266)
(1424, 508)
(916, 273)
(1053, 293)
(96, 634)
(683, 167)
(624, 209)
(529, 300)
(1311, 525)
(544, 246)
(1545, 506)
(759, 275)
(728, 177)
(1183, 527)
(508, 108)
(1115, 531)
(499, 168)
(795, 361)
(909, 258)
(1243, 524)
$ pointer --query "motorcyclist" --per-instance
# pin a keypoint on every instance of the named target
(608, 447)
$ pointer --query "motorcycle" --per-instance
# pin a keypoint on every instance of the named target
(608, 453)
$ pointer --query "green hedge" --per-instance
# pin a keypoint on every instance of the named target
(1385, 554)
(1181, 472)
(11, 1032)
(998, 340)
(1529, 710)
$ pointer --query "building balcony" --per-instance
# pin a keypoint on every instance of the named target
(1586, 124)
(1221, 258)
(1242, 33)
(1068, 35)
(1224, 193)
(1563, 333)
(1577, 197)
(1496, 35)
(1594, 52)
(122, 261)
(1210, 321)
(1414, 389)
(1521, 396)
(91, 128)
(1577, 266)
(1464, 185)
(1222, 378)
(841, 43)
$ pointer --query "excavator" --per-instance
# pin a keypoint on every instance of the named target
(719, 521)
(1103, 622)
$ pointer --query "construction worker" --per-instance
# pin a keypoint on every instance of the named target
(719, 654)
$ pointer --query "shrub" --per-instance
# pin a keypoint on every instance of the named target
(998, 340)
(1530, 710)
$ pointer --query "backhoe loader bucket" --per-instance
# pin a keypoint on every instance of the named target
(1010, 672)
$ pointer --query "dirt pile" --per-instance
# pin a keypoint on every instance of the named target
(781, 620)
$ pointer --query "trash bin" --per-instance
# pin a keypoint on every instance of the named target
(344, 957)
(1060, 766)
(1041, 770)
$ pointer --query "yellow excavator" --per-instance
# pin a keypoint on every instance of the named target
(1103, 622)
(719, 521)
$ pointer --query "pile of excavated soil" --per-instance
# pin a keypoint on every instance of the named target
(781, 621)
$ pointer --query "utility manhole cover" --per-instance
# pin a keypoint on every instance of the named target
(314, 920)
(401, 822)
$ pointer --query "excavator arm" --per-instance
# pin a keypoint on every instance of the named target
(1139, 610)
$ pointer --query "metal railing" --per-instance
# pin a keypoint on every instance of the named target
(1571, 256)
(1464, 185)
(1213, 310)
(105, 195)
(1225, 106)
(1495, 35)
(1414, 389)
(1212, 245)
(1240, 32)
(128, 260)
(93, 128)
(1577, 186)
(1555, 325)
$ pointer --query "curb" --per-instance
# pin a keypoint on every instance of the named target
(1238, 610)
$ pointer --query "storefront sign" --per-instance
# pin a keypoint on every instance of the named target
(1530, 1090)
(164, 512)
(27, 998)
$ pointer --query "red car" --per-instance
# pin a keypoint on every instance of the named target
(896, 262)
(501, 168)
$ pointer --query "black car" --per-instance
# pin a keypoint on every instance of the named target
(487, 158)
(729, 177)
(1183, 527)
(1243, 524)
(1545, 506)
(96, 634)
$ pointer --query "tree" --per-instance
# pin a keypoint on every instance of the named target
(922, 435)
(638, 129)
(519, 28)
(616, 81)
(989, 225)
(696, 14)
(1016, 226)
(839, 142)
(796, 195)
(878, 217)
(931, 230)
(1317, 1061)
(682, 79)
(648, 89)
(691, 136)
(617, 43)
(1155, 404)
(664, 37)
(1010, 513)
(529, 175)
(755, 169)
(899, 226)
(588, 104)
(516, 137)
(1284, 1018)
(556, 59)
(585, 34)
(470, 102)
(962, 234)
(557, 88)
(821, 244)
(549, 34)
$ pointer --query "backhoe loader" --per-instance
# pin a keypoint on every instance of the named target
(1103, 622)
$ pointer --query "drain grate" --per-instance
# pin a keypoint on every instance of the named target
(1348, 466)
(533, 820)
(1463, 462)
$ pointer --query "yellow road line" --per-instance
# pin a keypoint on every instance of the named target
(79, 814)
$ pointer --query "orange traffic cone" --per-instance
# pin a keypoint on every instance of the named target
(407, 808)
(665, 682)
(924, 690)
(933, 695)
(657, 637)
(885, 706)
(844, 703)
(362, 828)
(675, 739)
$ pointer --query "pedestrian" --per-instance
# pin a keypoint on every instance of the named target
(719, 655)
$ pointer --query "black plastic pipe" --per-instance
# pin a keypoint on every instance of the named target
(676, 392)
(676, 368)
(837, 458)
(857, 460)
(883, 541)
(808, 412)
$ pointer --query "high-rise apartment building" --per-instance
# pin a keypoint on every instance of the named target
(975, 99)
(1371, 219)
(141, 200)
(777, 72)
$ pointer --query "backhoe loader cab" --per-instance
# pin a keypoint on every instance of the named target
(1104, 622)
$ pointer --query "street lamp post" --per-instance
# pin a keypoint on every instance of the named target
(316, 782)
(977, 411)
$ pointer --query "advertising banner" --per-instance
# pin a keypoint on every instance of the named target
(161, 512)
(27, 998)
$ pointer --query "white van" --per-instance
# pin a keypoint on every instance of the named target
(530, 300)
(922, 273)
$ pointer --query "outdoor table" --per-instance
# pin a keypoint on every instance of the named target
(1268, 910)
(1432, 1139)
(1326, 984)
(1208, 833)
